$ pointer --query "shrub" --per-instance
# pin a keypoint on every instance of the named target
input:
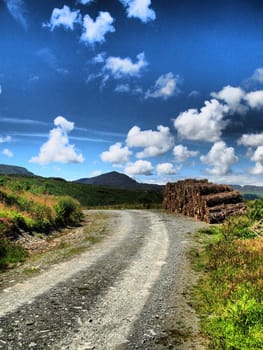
(68, 211)
(10, 253)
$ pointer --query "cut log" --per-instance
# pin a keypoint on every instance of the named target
(203, 200)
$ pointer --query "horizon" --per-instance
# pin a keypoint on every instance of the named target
(155, 90)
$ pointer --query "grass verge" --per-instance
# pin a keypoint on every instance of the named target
(229, 296)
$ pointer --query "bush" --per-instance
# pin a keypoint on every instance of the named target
(10, 253)
(68, 211)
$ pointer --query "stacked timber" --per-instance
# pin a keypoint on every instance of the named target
(203, 200)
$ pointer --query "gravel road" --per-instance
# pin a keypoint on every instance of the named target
(127, 292)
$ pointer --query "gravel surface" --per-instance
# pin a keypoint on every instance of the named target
(127, 292)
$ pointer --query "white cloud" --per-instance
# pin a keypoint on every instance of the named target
(139, 9)
(206, 125)
(258, 158)
(17, 10)
(63, 17)
(116, 154)
(95, 31)
(221, 158)
(255, 99)
(85, 2)
(121, 67)
(5, 139)
(233, 97)
(140, 167)
(57, 148)
(182, 154)
(154, 143)
(99, 58)
(165, 87)
(122, 88)
(7, 153)
(258, 75)
(166, 169)
(252, 140)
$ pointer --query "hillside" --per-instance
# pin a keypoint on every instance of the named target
(87, 195)
(117, 180)
(249, 191)
(14, 170)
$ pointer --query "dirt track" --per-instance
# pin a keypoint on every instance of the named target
(127, 292)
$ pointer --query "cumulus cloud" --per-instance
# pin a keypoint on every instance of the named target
(18, 11)
(165, 87)
(94, 31)
(251, 140)
(140, 167)
(255, 99)
(63, 17)
(165, 169)
(139, 9)
(7, 153)
(256, 155)
(57, 148)
(221, 158)
(258, 158)
(206, 125)
(182, 153)
(116, 154)
(233, 97)
(154, 143)
(122, 67)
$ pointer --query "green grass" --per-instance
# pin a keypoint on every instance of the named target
(229, 296)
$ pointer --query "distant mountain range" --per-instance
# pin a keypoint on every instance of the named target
(118, 180)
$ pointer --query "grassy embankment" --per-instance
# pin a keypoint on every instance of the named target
(40, 205)
(229, 296)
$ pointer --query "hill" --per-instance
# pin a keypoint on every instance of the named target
(249, 191)
(121, 181)
(14, 170)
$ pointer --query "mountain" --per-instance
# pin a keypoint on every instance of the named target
(120, 181)
(250, 191)
(14, 170)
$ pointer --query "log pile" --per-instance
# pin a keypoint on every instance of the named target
(203, 200)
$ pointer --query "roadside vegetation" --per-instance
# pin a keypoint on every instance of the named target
(39, 205)
(229, 296)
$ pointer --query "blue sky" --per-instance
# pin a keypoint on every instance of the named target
(160, 90)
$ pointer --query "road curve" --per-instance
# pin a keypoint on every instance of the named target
(125, 293)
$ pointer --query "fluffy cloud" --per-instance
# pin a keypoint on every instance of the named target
(57, 148)
(182, 154)
(221, 158)
(7, 153)
(165, 169)
(255, 99)
(233, 97)
(121, 67)
(154, 143)
(17, 10)
(116, 154)
(258, 76)
(206, 125)
(139, 9)
(140, 167)
(95, 31)
(165, 87)
(252, 140)
(63, 17)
